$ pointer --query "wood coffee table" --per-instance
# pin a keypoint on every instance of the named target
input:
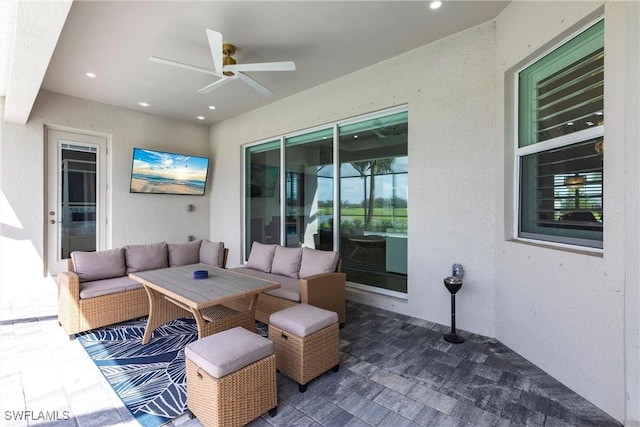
(222, 301)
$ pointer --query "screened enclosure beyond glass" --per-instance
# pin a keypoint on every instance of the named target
(344, 188)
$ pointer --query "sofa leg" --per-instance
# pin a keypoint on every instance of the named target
(273, 412)
(72, 337)
(302, 388)
(336, 368)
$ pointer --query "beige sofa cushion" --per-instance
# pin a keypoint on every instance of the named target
(317, 262)
(261, 257)
(286, 261)
(98, 265)
(98, 288)
(146, 257)
(289, 287)
(184, 253)
(212, 253)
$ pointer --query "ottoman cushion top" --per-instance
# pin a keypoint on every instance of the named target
(303, 319)
(228, 351)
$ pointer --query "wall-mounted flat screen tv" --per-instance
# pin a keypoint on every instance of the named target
(160, 172)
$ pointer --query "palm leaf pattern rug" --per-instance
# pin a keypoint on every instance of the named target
(150, 379)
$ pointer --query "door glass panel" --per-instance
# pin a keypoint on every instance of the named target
(262, 194)
(309, 190)
(77, 199)
(374, 202)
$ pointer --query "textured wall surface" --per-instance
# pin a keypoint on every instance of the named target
(564, 310)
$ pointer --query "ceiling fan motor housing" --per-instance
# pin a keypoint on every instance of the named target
(228, 50)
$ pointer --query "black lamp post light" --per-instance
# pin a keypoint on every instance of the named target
(453, 285)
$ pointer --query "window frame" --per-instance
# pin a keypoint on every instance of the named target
(523, 150)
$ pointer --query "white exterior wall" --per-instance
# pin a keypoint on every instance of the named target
(563, 310)
(134, 218)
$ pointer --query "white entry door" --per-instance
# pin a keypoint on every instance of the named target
(76, 195)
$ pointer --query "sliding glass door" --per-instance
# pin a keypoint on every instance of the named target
(345, 189)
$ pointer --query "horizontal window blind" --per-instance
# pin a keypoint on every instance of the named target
(563, 92)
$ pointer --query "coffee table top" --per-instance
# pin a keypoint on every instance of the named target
(222, 285)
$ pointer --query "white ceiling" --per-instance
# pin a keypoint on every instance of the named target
(326, 39)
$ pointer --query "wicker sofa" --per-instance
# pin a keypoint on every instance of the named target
(96, 291)
(305, 275)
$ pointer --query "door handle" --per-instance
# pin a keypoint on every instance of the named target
(53, 221)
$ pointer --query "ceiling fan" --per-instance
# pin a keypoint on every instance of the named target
(226, 68)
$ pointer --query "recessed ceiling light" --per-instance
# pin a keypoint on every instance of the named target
(599, 113)
(144, 104)
(91, 75)
(200, 117)
(435, 4)
(212, 107)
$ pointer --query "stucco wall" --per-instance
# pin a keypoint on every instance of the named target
(564, 310)
(134, 218)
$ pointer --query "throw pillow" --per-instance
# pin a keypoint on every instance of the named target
(146, 257)
(98, 265)
(317, 262)
(184, 253)
(212, 253)
(261, 257)
(286, 261)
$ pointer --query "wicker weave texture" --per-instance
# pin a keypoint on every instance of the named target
(235, 399)
(220, 318)
(303, 359)
(268, 304)
(80, 315)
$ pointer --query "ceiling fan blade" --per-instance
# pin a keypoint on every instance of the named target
(181, 65)
(215, 44)
(214, 85)
(263, 66)
(254, 84)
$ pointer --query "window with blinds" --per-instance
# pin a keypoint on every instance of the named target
(561, 143)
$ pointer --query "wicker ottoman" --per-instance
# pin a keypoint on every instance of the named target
(231, 378)
(306, 342)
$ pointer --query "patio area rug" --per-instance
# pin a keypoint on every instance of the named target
(150, 379)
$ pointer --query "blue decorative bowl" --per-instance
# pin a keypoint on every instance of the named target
(200, 274)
